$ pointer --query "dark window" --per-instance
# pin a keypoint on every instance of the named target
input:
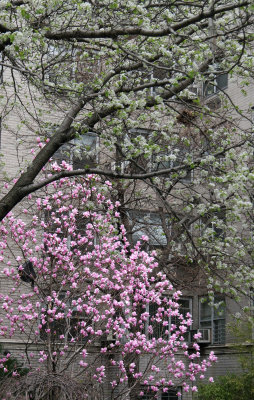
(184, 309)
(170, 394)
(0, 132)
(218, 166)
(219, 83)
(160, 330)
(149, 224)
(81, 152)
(252, 299)
(84, 151)
(69, 327)
(60, 64)
(160, 162)
(215, 221)
(1, 68)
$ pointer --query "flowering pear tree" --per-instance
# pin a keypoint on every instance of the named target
(115, 67)
(79, 301)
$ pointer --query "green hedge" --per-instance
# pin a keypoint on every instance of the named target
(229, 387)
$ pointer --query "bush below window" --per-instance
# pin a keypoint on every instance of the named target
(230, 387)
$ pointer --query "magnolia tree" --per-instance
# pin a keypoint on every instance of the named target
(139, 92)
(136, 92)
(96, 318)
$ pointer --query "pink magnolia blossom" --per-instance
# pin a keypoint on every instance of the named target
(92, 293)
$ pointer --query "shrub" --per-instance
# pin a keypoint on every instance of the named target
(229, 387)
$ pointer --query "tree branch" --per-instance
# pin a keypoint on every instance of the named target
(114, 33)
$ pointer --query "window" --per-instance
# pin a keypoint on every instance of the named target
(161, 330)
(215, 221)
(252, 299)
(213, 317)
(218, 166)
(160, 162)
(68, 325)
(75, 324)
(120, 166)
(149, 224)
(159, 73)
(84, 150)
(179, 156)
(252, 309)
(184, 309)
(81, 152)
(171, 394)
(60, 64)
(219, 83)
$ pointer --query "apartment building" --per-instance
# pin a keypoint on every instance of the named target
(164, 212)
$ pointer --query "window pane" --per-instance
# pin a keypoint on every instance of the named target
(84, 151)
(147, 396)
(183, 175)
(1, 68)
(219, 331)
(184, 306)
(205, 311)
(147, 223)
(214, 86)
(219, 313)
(157, 166)
(208, 88)
(214, 317)
(205, 324)
(158, 328)
(170, 395)
(222, 81)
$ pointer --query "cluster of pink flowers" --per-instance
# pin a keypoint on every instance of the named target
(92, 290)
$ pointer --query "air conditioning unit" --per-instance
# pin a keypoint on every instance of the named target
(111, 337)
(206, 336)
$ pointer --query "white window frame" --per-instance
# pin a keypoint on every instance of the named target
(1, 68)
